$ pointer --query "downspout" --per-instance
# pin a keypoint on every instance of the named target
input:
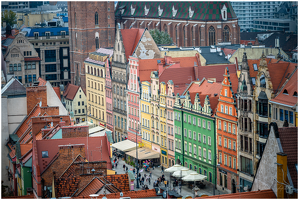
(182, 132)
(215, 171)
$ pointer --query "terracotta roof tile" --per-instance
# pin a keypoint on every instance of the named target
(57, 91)
(27, 156)
(25, 148)
(130, 37)
(26, 137)
(291, 87)
(39, 136)
(32, 59)
(262, 194)
(12, 154)
(206, 88)
(234, 81)
(142, 194)
(41, 81)
(120, 181)
(228, 51)
(70, 91)
(215, 71)
(71, 169)
(146, 66)
(92, 188)
(186, 61)
(289, 142)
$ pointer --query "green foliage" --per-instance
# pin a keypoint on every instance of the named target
(9, 17)
(160, 37)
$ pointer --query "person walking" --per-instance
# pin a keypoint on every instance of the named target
(149, 180)
(124, 166)
(162, 168)
(150, 174)
(116, 164)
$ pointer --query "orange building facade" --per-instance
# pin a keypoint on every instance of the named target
(227, 142)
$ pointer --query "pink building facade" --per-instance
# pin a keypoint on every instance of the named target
(133, 97)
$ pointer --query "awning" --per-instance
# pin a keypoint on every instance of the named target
(144, 153)
(126, 145)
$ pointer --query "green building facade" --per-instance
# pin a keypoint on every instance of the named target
(195, 136)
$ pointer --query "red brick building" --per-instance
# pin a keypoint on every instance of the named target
(91, 26)
(227, 141)
(188, 23)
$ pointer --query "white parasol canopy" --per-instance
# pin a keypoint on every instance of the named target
(175, 168)
(194, 177)
(182, 173)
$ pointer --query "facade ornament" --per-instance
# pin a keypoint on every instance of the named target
(132, 10)
(146, 10)
(191, 12)
(160, 11)
(174, 11)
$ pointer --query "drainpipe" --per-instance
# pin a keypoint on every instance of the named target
(215, 171)
(182, 132)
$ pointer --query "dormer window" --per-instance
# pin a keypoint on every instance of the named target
(262, 81)
(285, 92)
(224, 12)
(62, 34)
(255, 67)
(45, 154)
(47, 35)
(36, 34)
(295, 94)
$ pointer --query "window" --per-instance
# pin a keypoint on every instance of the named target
(204, 123)
(96, 18)
(36, 34)
(199, 122)
(225, 160)
(209, 125)
(189, 134)
(222, 108)
(194, 149)
(229, 128)
(185, 118)
(194, 121)
(50, 68)
(47, 35)
(226, 34)
(185, 132)
(219, 124)
(219, 141)
(230, 111)
(225, 92)
(209, 141)
(225, 142)
(225, 126)
(229, 144)
(15, 67)
(50, 55)
(45, 154)
(262, 81)
(226, 109)
(291, 117)
(199, 151)
(190, 148)
(234, 129)
(234, 146)
(235, 163)
(220, 157)
(199, 137)
(185, 146)
(286, 115)
(211, 36)
(281, 114)
(189, 119)
(246, 165)
(255, 67)
(194, 135)
(204, 139)
(97, 42)
(210, 155)
(204, 153)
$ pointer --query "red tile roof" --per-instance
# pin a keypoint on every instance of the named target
(289, 142)
(93, 143)
(70, 91)
(186, 61)
(146, 66)
(41, 81)
(32, 59)
(27, 122)
(205, 88)
(131, 38)
(142, 194)
(92, 188)
(229, 51)
(70, 170)
(25, 148)
(235, 81)
(57, 91)
(291, 87)
(262, 194)
(215, 71)
(181, 77)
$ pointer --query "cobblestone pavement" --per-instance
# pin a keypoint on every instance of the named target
(185, 191)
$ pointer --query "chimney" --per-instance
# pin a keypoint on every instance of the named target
(62, 123)
(256, 42)
(282, 169)
(160, 67)
(196, 71)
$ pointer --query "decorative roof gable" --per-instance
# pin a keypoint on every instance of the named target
(187, 103)
(177, 102)
(207, 106)
(197, 105)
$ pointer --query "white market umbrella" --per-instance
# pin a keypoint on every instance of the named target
(182, 173)
(175, 168)
(194, 177)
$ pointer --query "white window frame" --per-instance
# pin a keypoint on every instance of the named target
(204, 153)
(204, 139)
(190, 134)
(230, 110)
(199, 122)
(199, 137)
(209, 141)
(204, 123)
(219, 141)
(219, 124)
(199, 151)
(225, 142)
(209, 125)
(194, 121)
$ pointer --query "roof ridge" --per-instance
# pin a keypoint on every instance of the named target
(89, 184)
(51, 162)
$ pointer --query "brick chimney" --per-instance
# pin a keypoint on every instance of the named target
(72, 150)
(36, 95)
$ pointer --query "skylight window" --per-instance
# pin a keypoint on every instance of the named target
(253, 80)
(285, 92)
(295, 94)
(45, 154)
(255, 67)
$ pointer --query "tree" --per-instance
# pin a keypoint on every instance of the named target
(160, 37)
(9, 17)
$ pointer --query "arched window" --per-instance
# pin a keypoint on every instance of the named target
(97, 43)
(192, 36)
(101, 73)
(117, 90)
(165, 28)
(102, 101)
(121, 91)
(211, 36)
(88, 71)
(176, 35)
(226, 34)
(95, 71)
(184, 32)
(96, 18)
(91, 70)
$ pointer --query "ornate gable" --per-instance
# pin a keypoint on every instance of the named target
(146, 10)
(197, 106)
(177, 103)
(187, 103)
(174, 11)
(207, 106)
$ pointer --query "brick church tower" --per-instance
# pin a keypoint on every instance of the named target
(91, 26)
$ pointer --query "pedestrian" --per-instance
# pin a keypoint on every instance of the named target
(180, 186)
(116, 165)
(134, 170)
(149, 181)
(162, 168)
(124, 166)
(150, 174)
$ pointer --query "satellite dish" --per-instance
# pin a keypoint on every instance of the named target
(121, 194)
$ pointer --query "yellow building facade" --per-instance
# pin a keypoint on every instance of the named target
(162, 124)
(145, 104)
(95, 88)
(30, 19)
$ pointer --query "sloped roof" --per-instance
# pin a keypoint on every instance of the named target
(25, 148)
(262, 194)
(213, 58)
(41, 81)
(229, 51)
(146, 66)
(205, 88)
(70, 91)
(131, 38)
(92, 188)
(287, 41)
(13, 87)
(186, 61)
(215, 71)
(54, 31)
(202, 10)
(291, 87)
(289, 142)
(234, 80)
(57, 91)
